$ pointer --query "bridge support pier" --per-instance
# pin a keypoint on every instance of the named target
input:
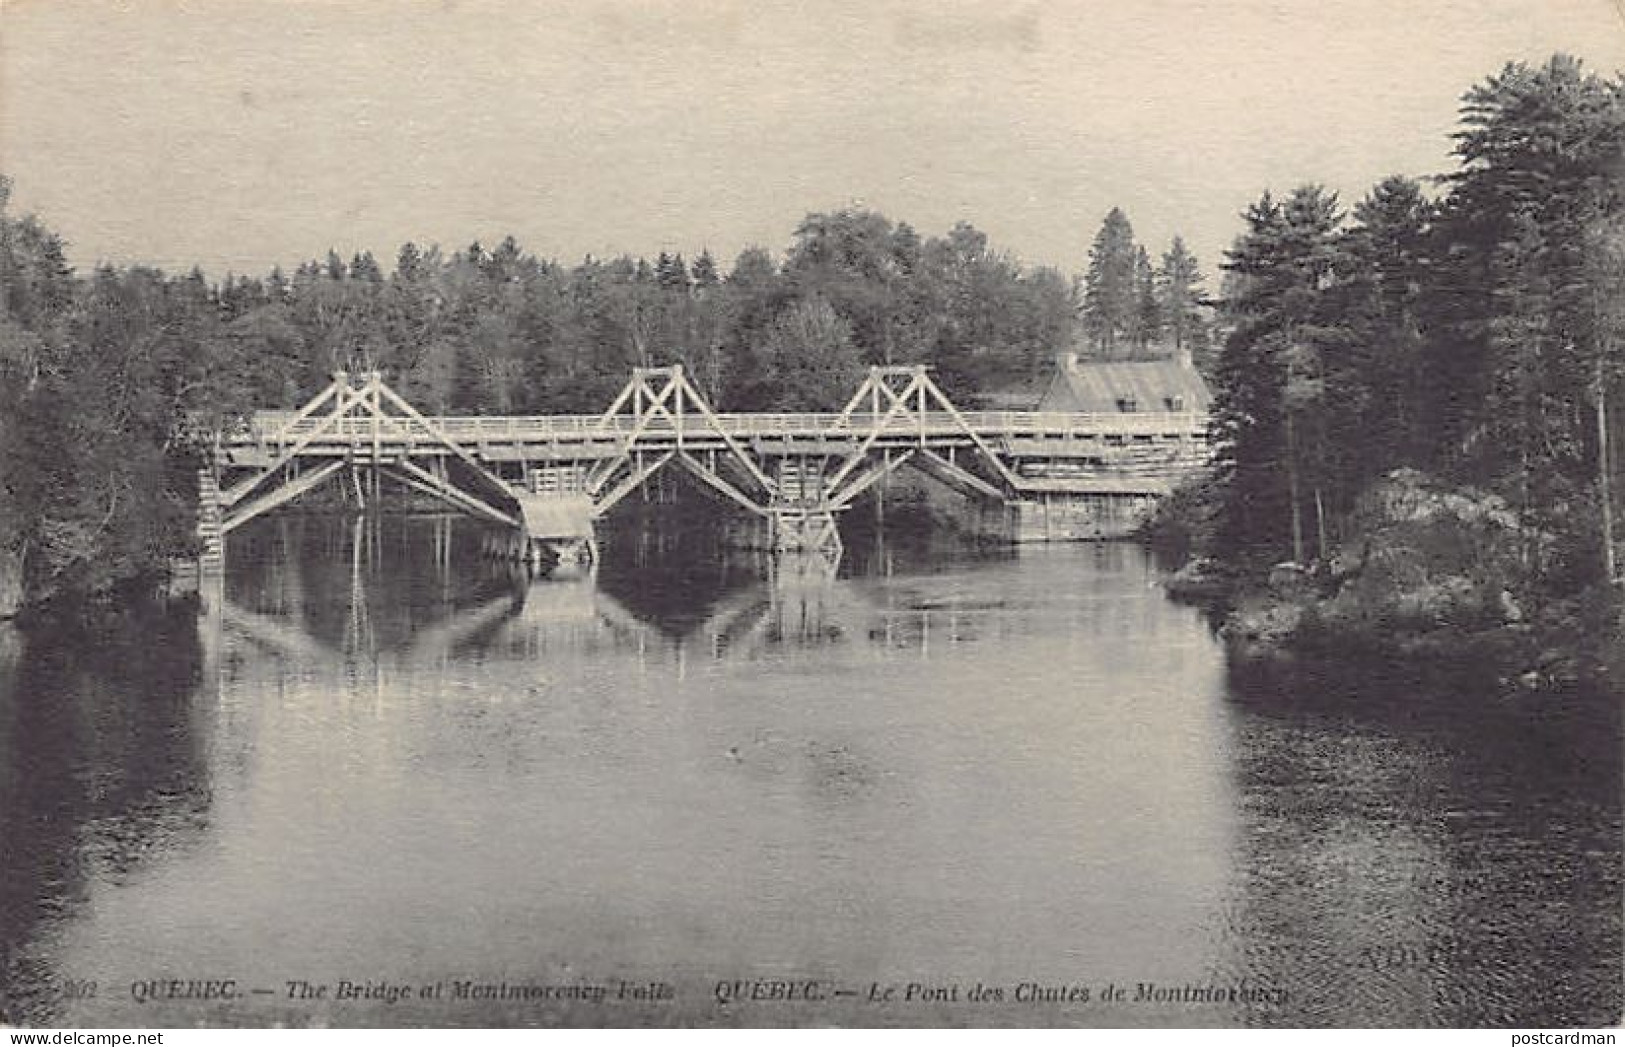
(557, 529)
(801, 517)
(568, 553)
(804, 531)
(571, 554)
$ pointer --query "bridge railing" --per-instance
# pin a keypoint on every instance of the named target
(476, 429)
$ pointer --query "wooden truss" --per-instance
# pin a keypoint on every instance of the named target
(660, 408)
(898, 416)
(894, 401)
(376, 429)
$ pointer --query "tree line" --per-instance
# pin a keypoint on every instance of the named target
(1473, 332)
(499, 330)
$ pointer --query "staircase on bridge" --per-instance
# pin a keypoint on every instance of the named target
(544, 481)
(211, 535)
(802, 515)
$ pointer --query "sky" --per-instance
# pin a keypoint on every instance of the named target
(241, 134)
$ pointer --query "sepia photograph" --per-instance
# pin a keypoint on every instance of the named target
(863, 514)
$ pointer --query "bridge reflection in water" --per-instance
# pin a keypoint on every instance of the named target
(343, 609)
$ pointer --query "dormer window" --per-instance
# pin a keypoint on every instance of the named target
(1127, 404)
(1174, 403)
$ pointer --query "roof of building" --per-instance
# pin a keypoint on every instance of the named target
(1131, 385)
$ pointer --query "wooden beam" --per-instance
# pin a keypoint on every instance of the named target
(434, 491)
(641, 471)
(855, 458)
(714, 425)
(306, 411)
(237, 493)
(955, 475)
(468, 459)
(841, 499)
(281, 496)
(603, 471)
(716, 481)
(965, 427)
(619, 402)
(455, 493)
(649, 403)
(872, 387)
(655, 406)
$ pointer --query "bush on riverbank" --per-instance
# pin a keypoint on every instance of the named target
(1183, 525)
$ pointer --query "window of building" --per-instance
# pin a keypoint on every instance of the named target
(1127, 404)
(1174, 403)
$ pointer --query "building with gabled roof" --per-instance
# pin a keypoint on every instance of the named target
(1107, 484)
(1171, 386)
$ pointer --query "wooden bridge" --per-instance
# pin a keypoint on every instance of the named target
(546, 479)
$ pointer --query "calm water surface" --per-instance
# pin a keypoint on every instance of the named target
(375, 761)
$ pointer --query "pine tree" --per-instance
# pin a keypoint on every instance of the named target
(671, 272)
(1147, 319)
(409, 262)
(1109, 285)
(1179, 294)
(1390, 264)
(703, 271)
(1516, 329)
(1273, 440)
(363, 266)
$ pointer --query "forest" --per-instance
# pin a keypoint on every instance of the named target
(1413, 394)
(1460, 332)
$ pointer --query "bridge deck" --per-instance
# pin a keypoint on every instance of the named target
(276, 428)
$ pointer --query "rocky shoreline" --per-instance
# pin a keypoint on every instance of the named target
(1429, 579)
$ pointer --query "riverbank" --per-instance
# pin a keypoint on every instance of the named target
(1429, 579)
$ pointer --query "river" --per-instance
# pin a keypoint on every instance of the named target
(377, 782)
